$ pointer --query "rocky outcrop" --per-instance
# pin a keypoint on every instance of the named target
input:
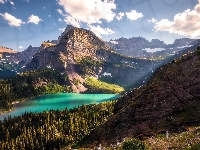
(68, 28)
(6, 52)
(4, 49)
(169, 102)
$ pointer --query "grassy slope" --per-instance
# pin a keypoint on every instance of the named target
(96, 86)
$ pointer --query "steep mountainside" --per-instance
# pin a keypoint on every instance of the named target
(136, 46)
(169, 102)
(81, 53)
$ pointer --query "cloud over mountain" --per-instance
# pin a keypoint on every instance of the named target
(87, 11)
(185, 23)
(100, 31)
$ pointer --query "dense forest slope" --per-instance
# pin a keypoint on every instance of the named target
(169, 102)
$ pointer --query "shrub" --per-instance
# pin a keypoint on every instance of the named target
(195, 147)
(133, 144)
(189, 57)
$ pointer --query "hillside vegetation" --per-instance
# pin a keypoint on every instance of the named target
(52, 129)
(96, 86)
(30, 84)
(168, 102)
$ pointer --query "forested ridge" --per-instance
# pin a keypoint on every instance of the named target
(54, 128)
(30, 84)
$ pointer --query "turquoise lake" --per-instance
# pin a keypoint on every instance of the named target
(57, 101)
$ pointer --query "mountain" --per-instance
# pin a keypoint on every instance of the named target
(81, 53)
(12, 62)
(25, 56)
(6, 50)
(168, 102)
(138, 46)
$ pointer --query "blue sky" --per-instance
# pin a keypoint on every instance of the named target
(30, 22)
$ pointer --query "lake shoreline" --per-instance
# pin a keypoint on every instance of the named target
(55, 101)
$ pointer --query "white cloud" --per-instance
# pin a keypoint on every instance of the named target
(3, 1)
(60, 20)
(12, 21)
(60, 11)
(12, 3)
(72, 21)
(20, 46)
(152, 20)
(119, 16)
(62, 29)
(88, 11)
(34, 19)
(100, 31)
(185, 23)
(134, 15)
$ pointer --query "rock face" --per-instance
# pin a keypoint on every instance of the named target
(81, 53)
(136, 46)
(169, 102)
(69, 27)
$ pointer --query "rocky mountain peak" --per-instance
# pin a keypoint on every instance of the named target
(81, 36)
(30, 46)
(68, 28)
(81, 53)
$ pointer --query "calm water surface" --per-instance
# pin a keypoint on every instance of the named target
(57, 101)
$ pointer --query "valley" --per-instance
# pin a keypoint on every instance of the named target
(150, 95)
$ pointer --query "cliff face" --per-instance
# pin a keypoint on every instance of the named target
(81, 53)
(169, 102)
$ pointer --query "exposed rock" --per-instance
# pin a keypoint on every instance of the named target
(7, 50)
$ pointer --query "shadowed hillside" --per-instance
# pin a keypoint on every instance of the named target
(169, 102)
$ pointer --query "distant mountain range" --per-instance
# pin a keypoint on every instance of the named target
(140, 47)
